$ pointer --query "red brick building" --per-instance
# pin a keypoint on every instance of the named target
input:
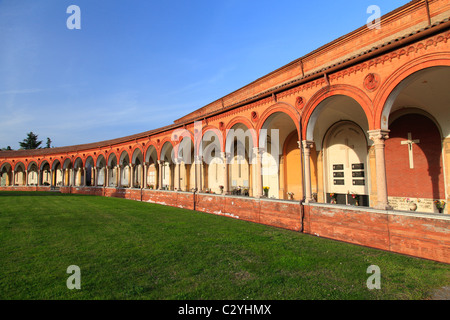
(349, 142)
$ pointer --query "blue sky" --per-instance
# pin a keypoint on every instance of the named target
(138, 65)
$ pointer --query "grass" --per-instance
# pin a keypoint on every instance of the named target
(132, 250)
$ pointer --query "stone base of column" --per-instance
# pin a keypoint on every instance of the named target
(382, 206)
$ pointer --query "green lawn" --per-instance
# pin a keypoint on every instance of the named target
(131, 250)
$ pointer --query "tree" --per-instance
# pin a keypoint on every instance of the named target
(49, 142)
(8, 148)
(30, 142)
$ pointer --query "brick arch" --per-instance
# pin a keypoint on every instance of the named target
(41, 163)
(98, 155)
(54, 161)
(391, 87)
(30, 163)
(92, 157)
(178, 135)
(246, 122)
(216, 131)
(6, 162)
(335, 90)
(122, 151)
(161, 146)
(139, 147)
(83, 161)
(147, 147)
(20, 163)
(282, 107)
(108, 158)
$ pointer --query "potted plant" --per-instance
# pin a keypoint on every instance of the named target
(356, 197)
(221, 189)
(440, 205)
(291, 195)
(333, 198)
(266, 191)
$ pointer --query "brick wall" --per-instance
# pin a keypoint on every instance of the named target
(421, 235)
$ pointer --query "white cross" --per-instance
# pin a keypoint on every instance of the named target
(410, 143)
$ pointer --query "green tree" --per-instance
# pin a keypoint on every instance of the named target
(49, 142)
(8, 148)
(30, 142)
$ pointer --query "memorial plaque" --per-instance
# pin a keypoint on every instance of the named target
(339, 182)
(338, 174)
(358, 166)
(338, 167)
(359, 182)
(358, 174)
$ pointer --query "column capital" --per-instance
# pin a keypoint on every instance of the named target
(379, 135)
(307, 144)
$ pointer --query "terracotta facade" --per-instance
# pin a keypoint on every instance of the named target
(314, 131)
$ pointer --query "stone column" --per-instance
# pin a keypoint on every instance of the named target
(119, 177)
(307, 145)
(131, 176)
(258, 188)
(225, 157)
(26, 178)
(95, 176)
(84, 176)
(106, 180)
(198, 173)
(178, 171)
(145, 175)
(160, 174)
(378, 137)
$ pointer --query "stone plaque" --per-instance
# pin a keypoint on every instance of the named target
(339, 182)
(338, 167)
(358, 166)
(359, 182)
(338, 174)
(358, 174)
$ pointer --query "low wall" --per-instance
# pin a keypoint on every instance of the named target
(416, 234)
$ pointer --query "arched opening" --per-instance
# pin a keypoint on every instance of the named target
(45, 174)
(19, 174)
(101, 171)
(125, 170)
(281, 157)
(417, 164)
(90, 173)
(340, 166)
(167, 167)
(186, 169)
(79, 173)
(67, 172)
(6, 175)
(113, 171)
(137, 161)
(32, 174)
(240, 150)
(212, 162)
(151, 159)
